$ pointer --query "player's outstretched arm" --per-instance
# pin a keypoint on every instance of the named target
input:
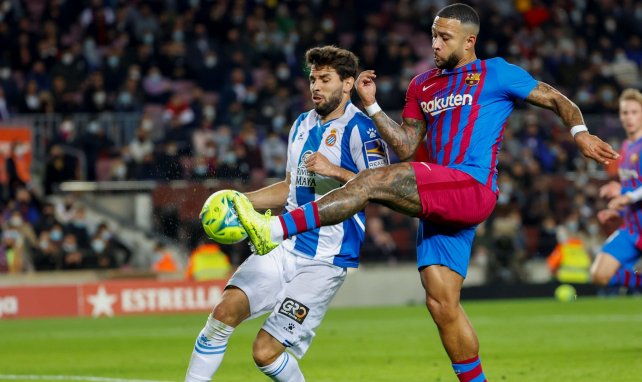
(546, 96)
(405, 138)
(273, 196)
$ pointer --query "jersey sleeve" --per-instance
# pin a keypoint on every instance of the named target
(516, 82)
(412, 109)
(367, 148)
(294, 130)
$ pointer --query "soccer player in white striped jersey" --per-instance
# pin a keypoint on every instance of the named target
(297, 280)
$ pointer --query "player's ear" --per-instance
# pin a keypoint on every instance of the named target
(470, 42)
(348, 84)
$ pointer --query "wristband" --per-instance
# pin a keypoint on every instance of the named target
(635, 195)
(373, 109)
(578, 129)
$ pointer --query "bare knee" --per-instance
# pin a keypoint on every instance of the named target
(266, 349)
(600, 276)
(443, 311)
(233, 308)
(603, 269)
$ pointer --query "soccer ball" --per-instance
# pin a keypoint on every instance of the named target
(565, 293)
(219, 219)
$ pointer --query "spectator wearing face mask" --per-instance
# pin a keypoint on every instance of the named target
(25, 229)
(79, 226)
(73, 257)
(103, 255)
(47, 256)
(121, 253)
(156, 87)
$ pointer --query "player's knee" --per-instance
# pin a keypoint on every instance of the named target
(363, 181)
(227, 314)
(599, 277)
(263, 353)
(442, 310)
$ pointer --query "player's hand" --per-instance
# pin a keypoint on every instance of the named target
(319, 164)
(366, 87)
(605, 216)
(595, 148)
(610, 190)
(619, 202)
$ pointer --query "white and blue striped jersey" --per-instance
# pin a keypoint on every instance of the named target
(351, 142)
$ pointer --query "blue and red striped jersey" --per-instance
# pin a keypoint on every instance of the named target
(629, 171)
(466, 110)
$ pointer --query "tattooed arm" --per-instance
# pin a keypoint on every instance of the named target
(544, 95)
(403, 139)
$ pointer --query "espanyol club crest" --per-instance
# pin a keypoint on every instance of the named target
(331, 139)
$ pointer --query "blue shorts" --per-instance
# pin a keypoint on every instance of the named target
(442, 245)
(624, 246)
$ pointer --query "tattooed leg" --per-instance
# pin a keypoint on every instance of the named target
(394, 186)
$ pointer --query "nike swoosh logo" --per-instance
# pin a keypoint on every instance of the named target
(428, 87)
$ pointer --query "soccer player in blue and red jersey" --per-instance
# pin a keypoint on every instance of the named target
(461, 107)
(613, 266)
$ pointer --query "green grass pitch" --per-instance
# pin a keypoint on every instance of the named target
(521, 340)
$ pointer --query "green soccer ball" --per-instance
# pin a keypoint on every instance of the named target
(565, 293)
(219, 219)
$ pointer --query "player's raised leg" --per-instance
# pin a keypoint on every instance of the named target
(443, 287)
(211, 342)
(272, 359)
(608, 270)
(394, 186)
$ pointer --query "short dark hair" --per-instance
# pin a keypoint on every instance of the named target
(342, 60)
(462, 12)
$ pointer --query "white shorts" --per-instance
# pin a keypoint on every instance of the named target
(297, 290)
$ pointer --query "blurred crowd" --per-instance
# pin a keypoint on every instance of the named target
(217, 84)
(55, 236)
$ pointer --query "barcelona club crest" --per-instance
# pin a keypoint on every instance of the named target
(472, 79)
(634, 158)
(331, 139)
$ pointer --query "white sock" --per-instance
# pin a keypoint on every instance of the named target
(276, 229)
(284, 369)
(208, 351)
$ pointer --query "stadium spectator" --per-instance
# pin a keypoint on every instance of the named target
(614, 265)
(103, 256)
(73, 257)
(569, 261)
(60, 167)
(447, 218)
(164, 261)
(141, 145)
(47, 255)
(208, 262)
(12, 257)
(299, 278)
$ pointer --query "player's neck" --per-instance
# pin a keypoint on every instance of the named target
(635, 135)
(466, 60)
(336, 113)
